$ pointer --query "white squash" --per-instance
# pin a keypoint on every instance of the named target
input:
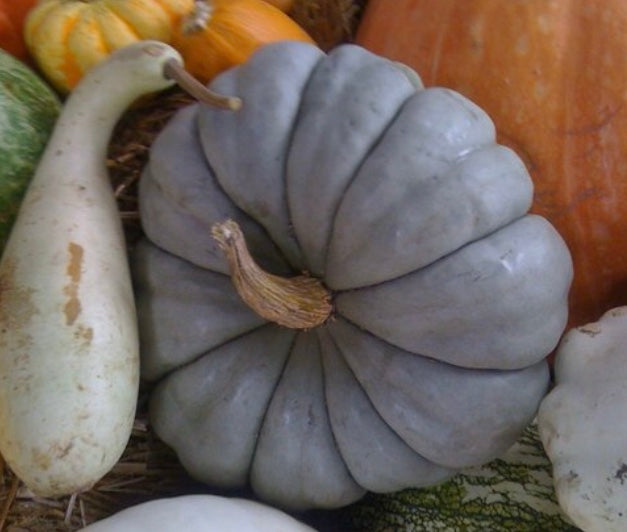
(69, 362)
(199, 513)
(583, 424)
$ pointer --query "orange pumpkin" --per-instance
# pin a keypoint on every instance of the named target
(553, 76)
(219, 34)
(283, 5)
(12, 15)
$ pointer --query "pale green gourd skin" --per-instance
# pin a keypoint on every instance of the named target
(28, 111)
(511, 494)
(447, 294)
(69, 369)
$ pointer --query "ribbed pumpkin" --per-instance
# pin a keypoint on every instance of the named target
(415, 343)
(67, 37)
(552, 74)
(12, 14)
(219, 34)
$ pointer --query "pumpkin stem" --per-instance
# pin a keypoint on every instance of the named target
(300, 302)
(197, 20)
(174, 70)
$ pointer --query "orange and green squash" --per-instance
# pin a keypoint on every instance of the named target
(67, 37)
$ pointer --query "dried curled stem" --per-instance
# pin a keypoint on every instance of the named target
(174, 70)
(300, 302)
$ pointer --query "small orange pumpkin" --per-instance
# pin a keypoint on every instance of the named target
(552, 74)
(219, 34)
(12, 15)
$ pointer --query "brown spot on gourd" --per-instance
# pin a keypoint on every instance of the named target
(16, 303)
(74, 267)
(62, 450)
(56, 450)
(591, 329)
(41, 460)
(72, 307)
(84, 333)
(21, 373)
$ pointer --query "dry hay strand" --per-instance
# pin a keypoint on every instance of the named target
(328, 22)
(129, 149)
(148, 469)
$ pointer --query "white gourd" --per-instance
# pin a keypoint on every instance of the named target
(200, 513)
(69, 363)
(583, 423)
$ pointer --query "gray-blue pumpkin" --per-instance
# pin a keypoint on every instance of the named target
(445, 294)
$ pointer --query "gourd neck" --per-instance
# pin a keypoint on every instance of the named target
(92, 111)
(97, 103)
(82, 133)
(300, 302)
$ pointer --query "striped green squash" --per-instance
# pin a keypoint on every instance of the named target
(512, 494)
(28, 110)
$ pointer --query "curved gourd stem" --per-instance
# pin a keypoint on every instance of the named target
(175, 71)
(300, 302)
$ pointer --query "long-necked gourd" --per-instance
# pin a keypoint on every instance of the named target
(69, 363)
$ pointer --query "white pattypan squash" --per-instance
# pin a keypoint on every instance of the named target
(583, 424)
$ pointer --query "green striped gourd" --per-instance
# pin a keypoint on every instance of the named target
(511, 494)
(28, 110)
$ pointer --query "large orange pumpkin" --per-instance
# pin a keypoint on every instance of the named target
(553, 76)
(12, 14)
